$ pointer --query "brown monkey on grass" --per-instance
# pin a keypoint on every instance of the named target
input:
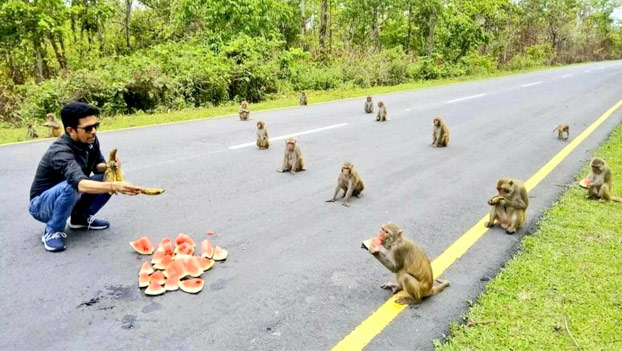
(440, 133)
(31, 132)
(244, 112)
(52, 123)
(601, 182)
(303, 99)
(263, 140)
(561, 129)
(508, 208)
(350, 182)
(369, 105)
(292, 157)
(410, 264)
(382, 112)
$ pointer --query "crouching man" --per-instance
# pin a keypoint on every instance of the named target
(64, 187)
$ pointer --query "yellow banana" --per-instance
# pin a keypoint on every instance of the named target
(495, 200)
(151, 191)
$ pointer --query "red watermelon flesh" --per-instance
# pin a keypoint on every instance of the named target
(184, 249)
(172, 283)
(164, 262)
(143, 280)
(154, 289)
(205, 263)
(175, 268)
(142, 245)
(146, 268)
(191, 286)
(157, 277)
(191, 266)
(183, 238)
(207, 250)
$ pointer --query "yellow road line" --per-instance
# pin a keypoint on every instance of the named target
(377, 321)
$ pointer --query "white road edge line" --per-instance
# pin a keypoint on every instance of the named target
(290, 135)
(464, 98)
(530, 84)
(567, 75)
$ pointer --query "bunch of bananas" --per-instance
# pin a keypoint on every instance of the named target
(114, 174)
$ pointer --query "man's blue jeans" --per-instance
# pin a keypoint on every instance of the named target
(54, 205)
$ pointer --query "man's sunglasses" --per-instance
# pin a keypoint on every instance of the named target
(89, 129)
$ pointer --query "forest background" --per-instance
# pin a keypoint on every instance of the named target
(128, 56)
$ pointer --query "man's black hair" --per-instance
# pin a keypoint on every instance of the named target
(73, 111)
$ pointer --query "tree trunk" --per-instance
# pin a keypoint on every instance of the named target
(410, 27)
(431, 31)
(126, 21)
(42, 70)
(60, 55)
(303, 19)
(323, 27)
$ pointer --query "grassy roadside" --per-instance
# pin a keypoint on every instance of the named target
(11, 135)
(565, 283)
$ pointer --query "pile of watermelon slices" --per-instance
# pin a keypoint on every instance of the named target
(175, 268)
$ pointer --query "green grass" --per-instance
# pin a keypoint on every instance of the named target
(569, 271)
(11, 135)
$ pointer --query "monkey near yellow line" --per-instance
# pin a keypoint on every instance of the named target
(350, 182)
(263, 140)
(409, 263)
(440, 133)
(508, 208)
(601, 182)
(561, 129)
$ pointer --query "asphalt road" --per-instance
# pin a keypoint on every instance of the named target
(296, 278)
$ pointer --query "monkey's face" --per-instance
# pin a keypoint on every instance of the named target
(345, 171)
(506, 190)
(595, 168)
(244, 105)
(369, 99)
(380, 104)
(291, 146)
(259, 125)
(437, 122)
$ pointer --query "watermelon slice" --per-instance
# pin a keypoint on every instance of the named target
(191, 286)
(146, 268)
(175, 268)
(164, 262)
(220, 254)
(585, 183)
(183, 238)
(172, 283)
(154, 289)
(167, 247)
(157, 277)
(184, 249)
(143, 280)
(205, 263)
(209, 232)
(373, 242)
(157, 257)
(191, 266)
(142, 245)
(207, 250)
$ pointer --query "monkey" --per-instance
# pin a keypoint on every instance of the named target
(440, 133)
(382, 112)
(350, 181)
(52, 123)
(303, 99)
(561, 129)
(31, 132)
(601, 182)
(292, 158)
(369, 105)
(263, 140)
(508, 208)
(409, 263)
(244, 112)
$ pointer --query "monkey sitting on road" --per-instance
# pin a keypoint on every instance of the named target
(31, 132)
(292, 157)
(600, 182)
(561, 129)
(382, 112)
(409, 263)
(369, 105)
(350, 182)
(244, 112)
(263, 141)
(508, 208)
(440, 133)
(303, 99)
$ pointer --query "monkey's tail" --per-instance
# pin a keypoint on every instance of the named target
(616, 199)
